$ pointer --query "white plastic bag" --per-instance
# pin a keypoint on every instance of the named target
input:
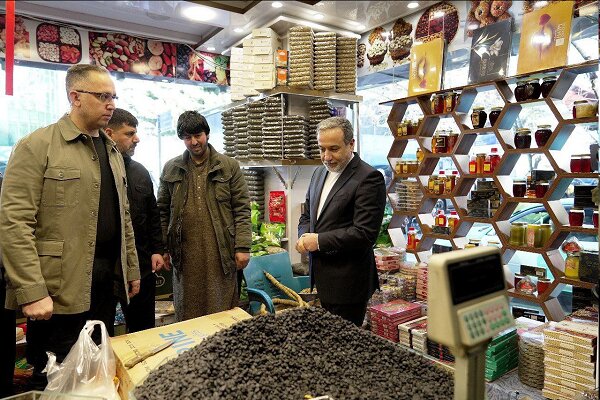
(88, 369)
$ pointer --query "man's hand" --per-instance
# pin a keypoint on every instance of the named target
(167, 260)
(310, 241)
(241, 260)
(134, 288)
(158, 262)
(39, 309)
(300, 245)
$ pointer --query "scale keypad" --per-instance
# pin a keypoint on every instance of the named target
(484, 320)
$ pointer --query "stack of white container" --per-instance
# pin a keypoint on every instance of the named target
(325, 56)
(238, 71)
(569, 358)
(301, 41)
(262, 48)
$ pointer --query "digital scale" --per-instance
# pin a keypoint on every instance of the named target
(467, 307)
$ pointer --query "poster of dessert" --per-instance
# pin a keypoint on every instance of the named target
(485, 12)
(124, 53)
(545, 37)
(490, 51)
(21, 37)
(426, 63)
(201, 66)
(441, 18)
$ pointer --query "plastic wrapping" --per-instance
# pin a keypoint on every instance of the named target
(88, 369)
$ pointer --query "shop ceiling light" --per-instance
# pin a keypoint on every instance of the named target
(360, 27)
(238, 30)
(276, 4)
(199, 13)
(412, 4)
(540, 4)
(318, 16)
(210, 48)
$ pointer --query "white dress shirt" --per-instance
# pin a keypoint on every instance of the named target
(330, 180)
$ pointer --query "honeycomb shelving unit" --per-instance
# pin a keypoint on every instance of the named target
(563, 126)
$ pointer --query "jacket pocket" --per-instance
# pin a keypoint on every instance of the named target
(222, 189)
(61, 187)
(50, 254)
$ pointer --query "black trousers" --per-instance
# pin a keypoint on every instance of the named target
(60, 332)
(354, 313)
(7, 344)
(139, 314)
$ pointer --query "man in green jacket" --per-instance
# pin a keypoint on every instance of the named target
(205, 215)
(66, 234)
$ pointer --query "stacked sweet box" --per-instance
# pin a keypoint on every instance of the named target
(264, 44)
(439, 351)
(531, 351)
(413, 334)
(408, 276)
(319, 109)
(240, 120)
(301, 54)
(502, 354)
(272, 129)
(256, 113)
(386, 317)
(294, 131)
(228, 133)
(422, 282)
(325, 61)
(386, 260)
(569, 357)
(346, 51)
(239, 71)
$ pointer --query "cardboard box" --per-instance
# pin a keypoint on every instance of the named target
(263, 68)
(272, 42)
(248, 50)
(247, 43)
(263, 32)
(186, 335)
(263, 50)
(265, 76)
(263, 59)
(264, 84)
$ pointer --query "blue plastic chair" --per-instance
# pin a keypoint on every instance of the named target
(261, 290)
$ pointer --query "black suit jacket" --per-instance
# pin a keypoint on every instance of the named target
(344, 267)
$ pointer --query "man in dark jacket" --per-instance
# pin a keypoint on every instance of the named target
(122, 129)
(340, 222)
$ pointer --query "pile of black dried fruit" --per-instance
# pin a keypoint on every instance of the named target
(292, 354)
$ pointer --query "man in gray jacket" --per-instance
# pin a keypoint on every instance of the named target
(205, 215)
(66, 234)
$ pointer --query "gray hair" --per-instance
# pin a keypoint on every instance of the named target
(337, 122)
(81, 72)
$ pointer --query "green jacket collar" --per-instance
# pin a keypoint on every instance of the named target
(70, 132)
(214, 160)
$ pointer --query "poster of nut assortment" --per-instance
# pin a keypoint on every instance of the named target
(61, 44)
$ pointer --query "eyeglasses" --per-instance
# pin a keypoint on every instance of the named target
(103, 97)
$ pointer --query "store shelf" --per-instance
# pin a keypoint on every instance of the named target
(503, 130)
(351, 98)
(576, 282)
(278, 163)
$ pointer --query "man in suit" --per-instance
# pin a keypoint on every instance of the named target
(340, 222)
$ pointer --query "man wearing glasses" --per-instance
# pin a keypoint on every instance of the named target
(66, 233)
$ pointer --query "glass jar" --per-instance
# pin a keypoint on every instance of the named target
(572, 265)
(451, 181)
(595, 218)
(398, 168)
(401, 129)
(536, 89)
(523, 90)
(586, 163)
(480, 159)
(533, 234)
(542, 284)
(519, 188)
(453, 221)
(576, 163)
(431, 183)
(547, 84)
(420, 155)
(494, 158)
(530, 187)
(523, 138)
(437, 104)
(441, 183)
(541, 188)
(494, 114)
(473, 165)
(451, 142)
(542, 135)
(413, 167)
(545, 233)
(438, 144)
(517, 233)
(450, 101)
(585, 108)
(410, 128)
(526, 285)
(576, 216)
(405, 167)
(478, 117)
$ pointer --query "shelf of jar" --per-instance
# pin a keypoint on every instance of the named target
(464, 217)
(525, 199)
(534, 298)
(396, 176)
(527, 249)
(442, 115)
(440, 236)
(589, 229)
(488, 130)
(576, 282)
(313, 93)
(531, 150)
(526, 103)
(405, 137)
(438, 196)
(581, 121)
(581, 175)
(477, 176)
(438, 155)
